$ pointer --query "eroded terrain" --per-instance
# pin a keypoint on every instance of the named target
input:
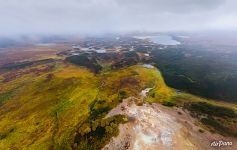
(153, 126)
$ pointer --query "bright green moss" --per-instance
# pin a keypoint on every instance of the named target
(5, 96)
(51, 107)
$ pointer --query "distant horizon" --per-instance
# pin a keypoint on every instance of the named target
(93, 17)
(137, 32)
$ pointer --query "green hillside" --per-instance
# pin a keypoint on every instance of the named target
(57, 105)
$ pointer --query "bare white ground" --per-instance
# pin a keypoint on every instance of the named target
(150, 128)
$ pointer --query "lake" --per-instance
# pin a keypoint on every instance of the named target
(160, 39)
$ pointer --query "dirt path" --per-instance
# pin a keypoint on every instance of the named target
(155, 127)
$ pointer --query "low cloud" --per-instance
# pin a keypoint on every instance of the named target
(102, 16)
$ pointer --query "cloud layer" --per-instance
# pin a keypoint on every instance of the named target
(102, 16)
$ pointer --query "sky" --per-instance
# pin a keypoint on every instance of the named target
(108, 16)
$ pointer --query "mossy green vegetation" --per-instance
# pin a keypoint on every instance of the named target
(203, 76)
(65, 106)
(47, 108)
(205, 108)
(94, 134)
(51, 104)
(218, 118)
(5, 96)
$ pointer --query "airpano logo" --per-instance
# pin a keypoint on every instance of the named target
(221, 143)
